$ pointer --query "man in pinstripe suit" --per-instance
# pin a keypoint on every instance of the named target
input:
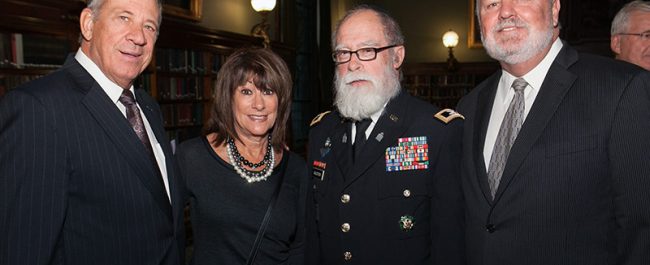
(571, 187)
(84, 177)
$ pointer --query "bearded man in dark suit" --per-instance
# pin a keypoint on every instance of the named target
(555, 148)
(86, 171)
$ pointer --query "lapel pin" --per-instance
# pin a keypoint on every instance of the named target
(326, 148)
(394, 118)
(380, 136)
(324, 151)
(345, 138)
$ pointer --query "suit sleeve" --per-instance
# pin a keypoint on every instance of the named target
(33, 178)
(447, 225)
(629, 152)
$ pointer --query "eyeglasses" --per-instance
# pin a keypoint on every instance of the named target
(644, 36)
(364, 54)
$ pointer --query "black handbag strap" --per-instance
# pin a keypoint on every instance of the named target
(267, 216)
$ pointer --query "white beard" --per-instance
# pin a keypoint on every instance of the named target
(359, 103)
(526, 48)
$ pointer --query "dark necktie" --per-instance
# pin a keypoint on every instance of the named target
(135, 119)
(360, 137)
(508, 131)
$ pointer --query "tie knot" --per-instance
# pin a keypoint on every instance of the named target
(127, 98)
(519, 84)
(362, 124)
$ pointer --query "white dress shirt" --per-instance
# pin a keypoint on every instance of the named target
(374, 117)
(114, 92)
(505, 94)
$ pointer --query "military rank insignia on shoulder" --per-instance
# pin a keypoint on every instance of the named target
(448, 115)
(318, 118)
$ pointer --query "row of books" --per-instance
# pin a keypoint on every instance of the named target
(177, 136)
(175, 88)
(440, 91)
(182, 114)
(19, 50)
(443, 79)
(187, 61)
(144, 82)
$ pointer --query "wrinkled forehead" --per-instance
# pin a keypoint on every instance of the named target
(150, 9)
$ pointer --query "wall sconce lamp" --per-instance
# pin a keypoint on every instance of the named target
(450, 40)
(261, 29)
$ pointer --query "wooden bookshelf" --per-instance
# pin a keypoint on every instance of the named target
(181, 75)
(434, 83)
(35, 38)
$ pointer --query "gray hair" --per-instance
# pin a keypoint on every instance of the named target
(392, 31)
(621, 20)
(96, 6)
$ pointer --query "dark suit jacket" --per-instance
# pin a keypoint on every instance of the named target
(76, 184)
(379, 199)
(575, 187)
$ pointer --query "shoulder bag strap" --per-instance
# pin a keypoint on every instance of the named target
(267, 216)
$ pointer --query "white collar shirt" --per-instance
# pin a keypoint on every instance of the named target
(504, 95)
(114, 91)
(374, 118)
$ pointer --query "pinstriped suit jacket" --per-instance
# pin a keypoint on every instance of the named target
(76, 185)
(575, 189)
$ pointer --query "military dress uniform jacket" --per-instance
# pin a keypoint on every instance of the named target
(401, 202)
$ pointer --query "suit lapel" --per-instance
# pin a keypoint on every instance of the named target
(148, 105)
(120, 132)
(390, 126)
(483, 111)
(556, 84)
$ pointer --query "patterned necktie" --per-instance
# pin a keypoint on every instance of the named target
(510, 127)
(135, 119)
(360, 137)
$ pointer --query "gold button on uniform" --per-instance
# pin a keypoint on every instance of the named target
(345, 227)
(345, 198)
(347, 255)
(407, 193)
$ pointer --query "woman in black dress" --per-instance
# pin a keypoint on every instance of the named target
(233, 170)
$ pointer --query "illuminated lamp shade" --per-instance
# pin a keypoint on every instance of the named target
(261, 30)
(450, 39)
(263, 5)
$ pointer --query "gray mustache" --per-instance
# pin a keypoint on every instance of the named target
(510, 23)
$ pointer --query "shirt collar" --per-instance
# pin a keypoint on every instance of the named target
(112, 90)
(375, 116)
(535, 77)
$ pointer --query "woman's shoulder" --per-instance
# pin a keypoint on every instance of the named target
(191, 146)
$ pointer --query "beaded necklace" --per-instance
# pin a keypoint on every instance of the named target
(238, 162)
